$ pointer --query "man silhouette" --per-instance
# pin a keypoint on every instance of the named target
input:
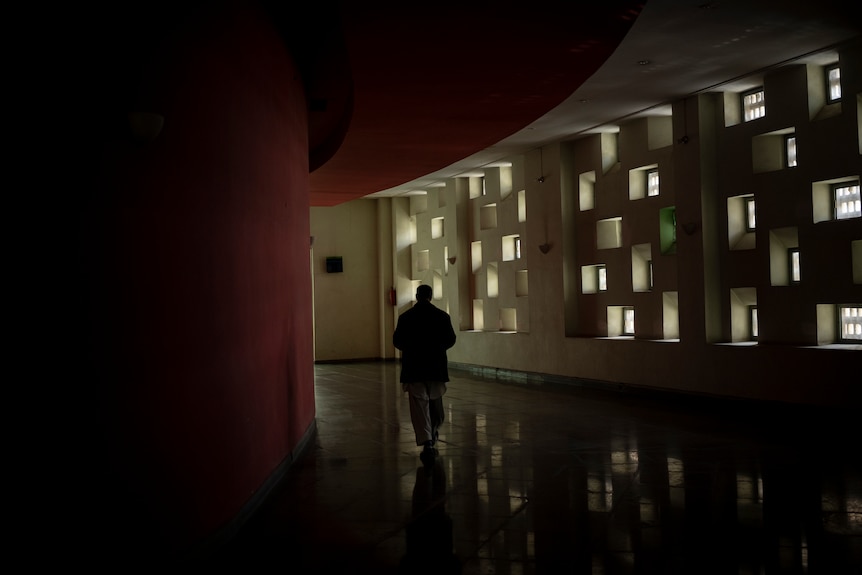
(423, 334)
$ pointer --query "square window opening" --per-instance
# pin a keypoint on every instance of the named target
(743, 314)
(437, 228)
(833, 83)
(652, 182)
(593, 279)
(522, 206)
(643, 182)
(790, 159)
(488, 217)
(511, 248)
(753, 105)
(847, 200)
(642, 277)
(753, 328)
(628, 321)
(750, 214)
(795, 265)
(850, 323)
(423, 260)
(609, 233)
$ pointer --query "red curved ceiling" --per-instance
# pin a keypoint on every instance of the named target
(428, 85)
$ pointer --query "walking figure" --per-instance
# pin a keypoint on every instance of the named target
(423, 334)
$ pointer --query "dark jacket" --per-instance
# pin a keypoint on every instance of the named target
(423, 334)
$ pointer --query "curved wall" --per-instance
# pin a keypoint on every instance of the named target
(196, 251)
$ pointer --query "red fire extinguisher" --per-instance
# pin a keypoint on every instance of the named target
(393, 300)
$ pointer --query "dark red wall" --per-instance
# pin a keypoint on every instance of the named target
(195, 248)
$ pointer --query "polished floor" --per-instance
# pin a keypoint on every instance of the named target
(560, 479)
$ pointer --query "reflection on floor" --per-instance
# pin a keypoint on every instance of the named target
(539, 479)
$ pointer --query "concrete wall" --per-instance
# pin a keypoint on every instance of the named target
(684, 337)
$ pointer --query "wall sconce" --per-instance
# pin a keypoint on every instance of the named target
(541, 178)
(544, 248)
(145, 127)
(452, 260)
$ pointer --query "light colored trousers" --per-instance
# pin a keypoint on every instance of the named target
(426, 408)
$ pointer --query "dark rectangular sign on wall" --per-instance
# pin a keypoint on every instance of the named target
(334, 265)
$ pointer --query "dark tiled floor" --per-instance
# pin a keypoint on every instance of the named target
(560, 480)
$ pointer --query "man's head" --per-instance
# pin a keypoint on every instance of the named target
(423, 293)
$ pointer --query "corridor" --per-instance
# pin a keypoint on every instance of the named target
(558, 479)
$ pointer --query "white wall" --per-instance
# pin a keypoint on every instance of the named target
(348, 305)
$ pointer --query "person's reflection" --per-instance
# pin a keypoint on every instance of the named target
(429, 533)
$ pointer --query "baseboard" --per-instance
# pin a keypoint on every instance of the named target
(207, 548)
(757, 408)
(354, 360)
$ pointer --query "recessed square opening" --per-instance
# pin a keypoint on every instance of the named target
(743, 314)
(437, 285)
(643, 182)
(419, 203)
(839, 323)
(488, 217)
(827, 323)
(621, 320)
(522, 285)
(511, 248)
(587, 191)
(411, 232)
(476, 256)
(824, 91)
(836, 199)
(594, 278)
(741, 222)
(478, 314)
(441, 196)
(522, 206)
(505, 182)
(781, 240)
(476, 187)
(769, 152)
(437, 229)
(670, 314)
(493, 284)
(642, 277)
(423, 260)
(508, 319)
(609, 233)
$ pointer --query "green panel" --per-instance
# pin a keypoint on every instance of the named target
(667, 230)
